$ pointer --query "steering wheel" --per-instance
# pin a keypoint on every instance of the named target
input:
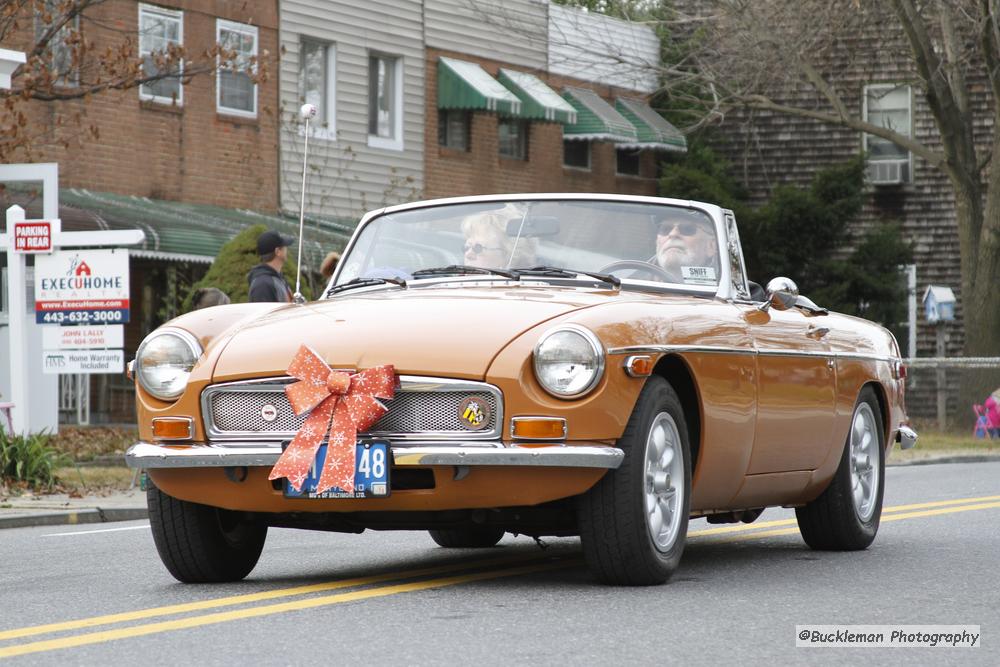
(639, 266)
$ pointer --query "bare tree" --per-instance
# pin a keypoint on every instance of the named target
(75, 51)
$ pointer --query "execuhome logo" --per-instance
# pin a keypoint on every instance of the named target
(79, 276)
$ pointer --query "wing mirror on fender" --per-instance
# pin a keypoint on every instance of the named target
(782, 293)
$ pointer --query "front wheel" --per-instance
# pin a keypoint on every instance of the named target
(846, 515)
(633, 523)
(202, 544)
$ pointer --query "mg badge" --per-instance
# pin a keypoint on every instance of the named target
(474, 413)
(269, 413)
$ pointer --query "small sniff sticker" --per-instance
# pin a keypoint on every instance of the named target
(699, 275)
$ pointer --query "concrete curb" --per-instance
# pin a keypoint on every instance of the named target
(981, 458)
(19, 519)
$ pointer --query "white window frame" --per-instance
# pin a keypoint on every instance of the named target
(246, 29)
(326, 128)
(909, 109)
(394, 143)
(72, 78)
(177, 14)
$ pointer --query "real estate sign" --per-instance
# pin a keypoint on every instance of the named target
(82, 287)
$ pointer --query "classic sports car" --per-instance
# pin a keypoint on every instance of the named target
(592, 365)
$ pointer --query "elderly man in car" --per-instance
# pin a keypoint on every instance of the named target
(686, 248)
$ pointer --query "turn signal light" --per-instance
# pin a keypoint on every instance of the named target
(173, 428)
(538, 428)
(639, 366)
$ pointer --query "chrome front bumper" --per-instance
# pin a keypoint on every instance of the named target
(906, 437)
(590, 455)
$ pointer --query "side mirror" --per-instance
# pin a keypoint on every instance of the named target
(782, 293)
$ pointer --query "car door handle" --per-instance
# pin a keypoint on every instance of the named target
(817, 332)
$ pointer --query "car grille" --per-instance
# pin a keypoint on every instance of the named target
(422, 409)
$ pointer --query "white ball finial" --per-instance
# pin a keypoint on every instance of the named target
(308, 111)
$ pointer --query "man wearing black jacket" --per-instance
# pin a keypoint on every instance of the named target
(266, 281)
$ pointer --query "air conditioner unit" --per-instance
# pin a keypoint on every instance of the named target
(889, 172)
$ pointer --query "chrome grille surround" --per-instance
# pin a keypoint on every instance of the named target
(423, 409)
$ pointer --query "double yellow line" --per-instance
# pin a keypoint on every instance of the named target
(460, 573)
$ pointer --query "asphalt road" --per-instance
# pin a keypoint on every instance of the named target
(92, 595)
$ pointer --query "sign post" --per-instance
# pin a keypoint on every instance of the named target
(28, 236)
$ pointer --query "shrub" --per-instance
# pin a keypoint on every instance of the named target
(30, 460)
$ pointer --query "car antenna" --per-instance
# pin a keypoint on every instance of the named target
(306, 112)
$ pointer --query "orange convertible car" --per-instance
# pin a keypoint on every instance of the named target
(592, 365)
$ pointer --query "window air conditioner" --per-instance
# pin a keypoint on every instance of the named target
(889, 172)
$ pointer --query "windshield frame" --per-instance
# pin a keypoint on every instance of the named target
(725, 289)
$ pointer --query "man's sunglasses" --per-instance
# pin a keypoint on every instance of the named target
(478, 248)
(684, 228)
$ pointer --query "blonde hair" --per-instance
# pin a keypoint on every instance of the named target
(520, 252)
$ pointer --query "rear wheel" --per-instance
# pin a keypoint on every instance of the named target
(202, 544)
(846, 516)
(467, 537)
(633, 523)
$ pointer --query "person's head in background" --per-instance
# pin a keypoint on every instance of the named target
(488, 245)
(329, 264)
(207, 297)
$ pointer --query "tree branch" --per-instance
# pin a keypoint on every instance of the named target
(915, 147)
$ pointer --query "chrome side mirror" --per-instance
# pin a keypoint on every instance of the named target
(782, 293)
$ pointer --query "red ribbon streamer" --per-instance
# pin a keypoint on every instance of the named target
(350, 400)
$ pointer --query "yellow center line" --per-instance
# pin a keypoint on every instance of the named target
(256, 597)
(757, 525)
(896, 513)
(266, 610)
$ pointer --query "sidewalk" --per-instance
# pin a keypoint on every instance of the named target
(61, 510)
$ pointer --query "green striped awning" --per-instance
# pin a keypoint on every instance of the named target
(653, 130)
(177, 231)
(537, 99)
(596, 119)
(465, 85)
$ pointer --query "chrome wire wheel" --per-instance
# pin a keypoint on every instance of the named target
(864, 462)
(664, 481)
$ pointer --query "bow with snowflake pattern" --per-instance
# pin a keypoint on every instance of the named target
(350, 399)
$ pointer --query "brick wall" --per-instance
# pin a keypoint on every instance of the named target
(190, 153)
(481, 170)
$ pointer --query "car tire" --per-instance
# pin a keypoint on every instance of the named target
(469, 537)
(633, 522)
(845, 517)
(202, 544)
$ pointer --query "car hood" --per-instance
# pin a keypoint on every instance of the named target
(451, 332)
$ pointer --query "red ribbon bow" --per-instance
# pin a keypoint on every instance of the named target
(351, 400)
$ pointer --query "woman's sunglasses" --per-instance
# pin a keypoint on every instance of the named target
(477, 248)
(684, 228)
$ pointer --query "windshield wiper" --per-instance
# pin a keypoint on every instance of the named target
(463, 269)
(365, 282)
(556, 272)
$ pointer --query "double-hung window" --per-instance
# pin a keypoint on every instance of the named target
(236, 92)
(161, 33)
(317, 83)
(512, 138)
(59, 50)
(453, 129)
(888, 106)
(385, 101)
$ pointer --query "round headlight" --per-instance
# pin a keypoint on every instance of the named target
(569, 361)
(164, 362)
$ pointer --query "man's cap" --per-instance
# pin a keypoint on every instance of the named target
(271, 240)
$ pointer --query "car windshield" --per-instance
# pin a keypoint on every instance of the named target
(630, 240)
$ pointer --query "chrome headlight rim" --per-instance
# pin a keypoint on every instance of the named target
(596, 347)
(185, 337)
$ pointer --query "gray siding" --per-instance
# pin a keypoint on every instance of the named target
(510, 31)
(346, 176)
(601, 49)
